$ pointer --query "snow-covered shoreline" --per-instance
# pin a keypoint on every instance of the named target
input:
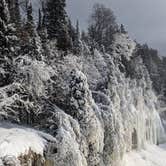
(152, 155)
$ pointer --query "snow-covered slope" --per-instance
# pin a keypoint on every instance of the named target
(97, 107)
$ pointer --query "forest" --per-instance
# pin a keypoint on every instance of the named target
(73, 97)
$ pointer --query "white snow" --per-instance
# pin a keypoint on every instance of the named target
(16, 141)
(123, 44)
(36, 73)
(151, 156)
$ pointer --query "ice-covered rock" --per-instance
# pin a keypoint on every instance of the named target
(20, 145)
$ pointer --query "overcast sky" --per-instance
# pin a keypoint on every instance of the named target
(145, 20)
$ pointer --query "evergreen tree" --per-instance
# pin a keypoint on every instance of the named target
(83, 36)
(77, 44)
(42, 31)
(77, 30)
(72, 32)
(44, 15)
(15, 17)
(4, 12)
(39, 20)
(55, 20)
(31, 44)
(15, 12)
(28, 27)
(122, 29)
(7, 42)
(30, 22)
(7, 31)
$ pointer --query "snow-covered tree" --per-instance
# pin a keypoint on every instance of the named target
(7, 45)
(30, 27)
(14, 9)
(153, 63)
(56, 23)
(31, 42)
(71, 31)
(77, 42)
(83, 36)
(78, 30)
(39, 20)
(4, 21)
(102, 25)
(122, 29)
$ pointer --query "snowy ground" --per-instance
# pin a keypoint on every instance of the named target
(152, 156)
(15, 141)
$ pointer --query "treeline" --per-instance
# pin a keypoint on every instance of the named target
(54, 24)
(54, 31)
(156, 67)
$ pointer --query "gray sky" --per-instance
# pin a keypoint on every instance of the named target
(145, 20)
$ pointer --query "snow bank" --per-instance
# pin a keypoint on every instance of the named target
(152, 156)
(16, 141)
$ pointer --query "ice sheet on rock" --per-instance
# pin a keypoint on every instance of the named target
(16, 141)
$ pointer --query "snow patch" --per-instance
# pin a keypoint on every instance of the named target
(16, 141)
(151, 156)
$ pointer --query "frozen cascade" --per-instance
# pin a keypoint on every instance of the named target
(135, 110)
(134, 106)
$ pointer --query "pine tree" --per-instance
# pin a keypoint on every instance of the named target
(7, 36)
(56, 23)
(77, 44)
(28, 27)
(83, 36)
(4, 12)
(42, 31)
(77, 30)
(7, 41)
(31, 44)
(71, 31)
(15, 17)
(44, 15)
(15, 12)
(39, 21)
(30, 22)
(122, 29)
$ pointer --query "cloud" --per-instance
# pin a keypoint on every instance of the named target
(144, 19)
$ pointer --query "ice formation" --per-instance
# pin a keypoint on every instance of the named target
(16, 142)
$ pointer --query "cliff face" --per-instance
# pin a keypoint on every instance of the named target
(96, 107)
